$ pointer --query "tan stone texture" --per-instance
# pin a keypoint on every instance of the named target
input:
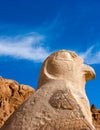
(12, 95)
(96, 117)
(60, 102)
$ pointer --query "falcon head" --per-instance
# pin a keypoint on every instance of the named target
(66, 65)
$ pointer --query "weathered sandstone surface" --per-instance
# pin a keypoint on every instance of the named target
(60, 102)
(12, 95)
(96, 117)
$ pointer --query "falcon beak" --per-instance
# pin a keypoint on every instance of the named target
(88, 72)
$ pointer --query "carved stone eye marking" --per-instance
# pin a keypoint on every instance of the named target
(62, 100)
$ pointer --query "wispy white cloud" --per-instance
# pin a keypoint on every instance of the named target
(92, 55)
(29, 47)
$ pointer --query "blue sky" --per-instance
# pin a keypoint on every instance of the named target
(30, 30)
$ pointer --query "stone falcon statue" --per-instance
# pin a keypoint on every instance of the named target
(60, 102)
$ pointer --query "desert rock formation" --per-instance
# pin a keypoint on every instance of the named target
(96, 117)
(12, 95)
(60, 102)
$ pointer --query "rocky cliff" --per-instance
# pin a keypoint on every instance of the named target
(95, 117)
(12, 95)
